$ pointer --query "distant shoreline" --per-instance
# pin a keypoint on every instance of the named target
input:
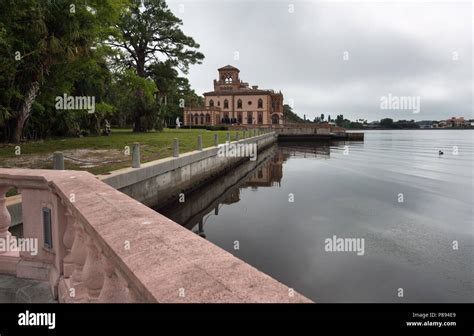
(409, 129)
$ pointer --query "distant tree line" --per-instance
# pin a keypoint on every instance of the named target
(127, 54)
(388, 123)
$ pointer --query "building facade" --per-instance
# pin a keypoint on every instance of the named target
(235, 102)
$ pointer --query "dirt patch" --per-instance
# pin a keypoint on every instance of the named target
(81, 158)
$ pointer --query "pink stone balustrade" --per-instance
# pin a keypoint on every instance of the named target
(107, 247)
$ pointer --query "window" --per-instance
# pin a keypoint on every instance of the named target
(202, 119)
(239, 118)
(250, 102)
(208, 118)
(211, 103)
(275, 119)
(47, 229)
(196, 120)
(218, 103)
(226, 104)
(249, 118)
(260, 103)
(239, 103)
(226, 118)
(260, 118)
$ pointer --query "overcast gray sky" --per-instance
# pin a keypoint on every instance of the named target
(408, 48)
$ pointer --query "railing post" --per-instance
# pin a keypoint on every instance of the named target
(5, 218)
(136, 155)
(216, 140)
(254, 132)
(199, 142)
(58, 161)
(176, 147)
(93, 271)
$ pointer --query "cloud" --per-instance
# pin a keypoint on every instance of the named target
(402, 48)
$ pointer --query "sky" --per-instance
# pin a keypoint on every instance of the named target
(341, 57)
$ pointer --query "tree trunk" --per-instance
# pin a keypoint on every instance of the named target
(137, 124)
(25, 112)
(140, 124)
(140, 113)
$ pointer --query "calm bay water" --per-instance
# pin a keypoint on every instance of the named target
(351, 192)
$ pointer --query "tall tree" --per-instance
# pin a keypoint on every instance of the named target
(38, 36)
(149, 33)
(290, 116)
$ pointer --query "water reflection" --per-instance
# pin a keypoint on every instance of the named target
(266, 171)
(350, 190)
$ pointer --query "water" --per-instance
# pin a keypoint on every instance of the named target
(351, 192)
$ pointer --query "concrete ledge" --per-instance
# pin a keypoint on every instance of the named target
(159, 182)
(124, 177)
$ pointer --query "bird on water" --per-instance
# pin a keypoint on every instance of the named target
(440, 152)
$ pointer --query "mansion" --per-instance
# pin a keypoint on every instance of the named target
(234, 102)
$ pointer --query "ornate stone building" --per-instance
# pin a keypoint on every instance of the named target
(234, 102)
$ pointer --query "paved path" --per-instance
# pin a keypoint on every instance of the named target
(15, 290)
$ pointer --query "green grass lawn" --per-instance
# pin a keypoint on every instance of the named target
(153, 146)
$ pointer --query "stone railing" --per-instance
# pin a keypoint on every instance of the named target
(95, 244)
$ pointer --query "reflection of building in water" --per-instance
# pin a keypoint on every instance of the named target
(232, 197)
(226, 190)
(269, 174)
(308, 150)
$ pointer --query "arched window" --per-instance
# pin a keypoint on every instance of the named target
(249, 118)
(196, 119)
(202, 119)
(208, 118)
(275, 119)
(226, 104)
(260, 117)
(211, 103)
(218, 103)
(239, 118)
(260, 103)
(239, 103)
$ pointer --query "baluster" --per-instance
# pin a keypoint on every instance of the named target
(93, 271)
(115, 288)
(5, 219)
(78, 252)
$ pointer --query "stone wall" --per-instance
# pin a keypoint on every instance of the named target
(159, 182)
